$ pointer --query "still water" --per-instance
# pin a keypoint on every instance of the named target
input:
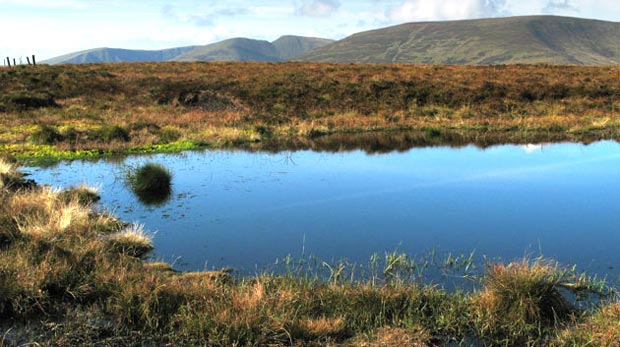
(245, 210)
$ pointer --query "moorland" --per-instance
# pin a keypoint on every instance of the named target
(74, 111)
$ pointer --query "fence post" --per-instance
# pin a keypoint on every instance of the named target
(14, 62)
(28, 60)
(34, 62)
(8, 61)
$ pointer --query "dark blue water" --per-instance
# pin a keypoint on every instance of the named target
(245, 210)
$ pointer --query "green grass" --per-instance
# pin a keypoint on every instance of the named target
(151, 182)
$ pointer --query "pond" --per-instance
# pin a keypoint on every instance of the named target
(245, 210)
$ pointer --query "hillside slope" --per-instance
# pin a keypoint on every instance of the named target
(114, 55)
(237, 49)
(243, 49)
(289, 46)
(534, 39)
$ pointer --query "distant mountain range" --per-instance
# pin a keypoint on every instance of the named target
(237, 49)
(532, 39)
(117, 55)
(242, 49)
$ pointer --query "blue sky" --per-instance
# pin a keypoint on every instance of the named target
(49, 28)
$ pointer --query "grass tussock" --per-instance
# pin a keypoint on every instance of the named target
(44, 211)
(11, 178)
(83, 194)
(151, 182)
(70, 274)
(133, 241)
(7, 168)
(521, 301)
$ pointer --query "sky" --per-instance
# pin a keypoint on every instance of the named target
(49, 28)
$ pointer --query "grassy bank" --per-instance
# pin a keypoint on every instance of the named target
(95, 110)
(71, 276)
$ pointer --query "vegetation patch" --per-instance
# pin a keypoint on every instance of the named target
(133, 108)
(84, 194)
(208, 101)
(109, 133)
(27, 101)
(151, 182)
(132, 241)
(11, 179)
(521, 301)
(46, 135)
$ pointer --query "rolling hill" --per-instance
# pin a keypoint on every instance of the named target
(532, 39)
(111, 55)
(290, 46)
(237, 49)
(243, 49)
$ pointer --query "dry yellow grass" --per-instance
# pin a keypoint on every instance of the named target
(41, 211)
(7, 168)
(601, 330)
(133, 241)
(322, 328)
(398, 337)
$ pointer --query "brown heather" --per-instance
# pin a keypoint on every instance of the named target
(132, 107)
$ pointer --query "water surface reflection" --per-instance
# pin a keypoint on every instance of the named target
(244, 210)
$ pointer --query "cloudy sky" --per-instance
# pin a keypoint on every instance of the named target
(49, 28)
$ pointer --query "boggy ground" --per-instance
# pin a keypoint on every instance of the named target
(92, 110)
(71, 276)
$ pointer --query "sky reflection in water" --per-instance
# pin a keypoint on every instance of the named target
(245, 210)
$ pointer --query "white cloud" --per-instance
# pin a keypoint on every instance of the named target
(319, 8)
(560, 7)
(428, 10)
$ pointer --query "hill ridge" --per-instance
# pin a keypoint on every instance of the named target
(522, 39)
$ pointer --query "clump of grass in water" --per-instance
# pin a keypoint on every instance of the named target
(521, 301)
(152, 183)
